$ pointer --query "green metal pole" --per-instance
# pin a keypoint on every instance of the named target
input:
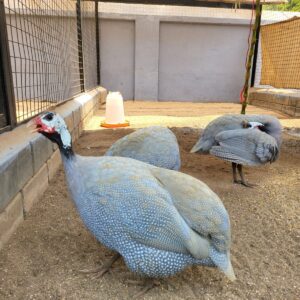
(250, 55)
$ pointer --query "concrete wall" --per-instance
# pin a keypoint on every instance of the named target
(175, 54)
(117, 56)
(29, 161)
(201, 62)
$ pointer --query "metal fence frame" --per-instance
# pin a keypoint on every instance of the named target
(8, 115)
(6, 83)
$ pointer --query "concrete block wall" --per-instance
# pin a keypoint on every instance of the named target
(173, 54)
(29, 161)
(285, 101)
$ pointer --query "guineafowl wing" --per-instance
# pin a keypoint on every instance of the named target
(245, 146)
(200, 207)
(226, 122)
(135, 206)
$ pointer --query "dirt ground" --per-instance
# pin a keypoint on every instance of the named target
(42, 259)
(181, 114)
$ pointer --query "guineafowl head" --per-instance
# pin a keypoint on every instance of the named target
(53, 127)
(270, 125)
(274, 129)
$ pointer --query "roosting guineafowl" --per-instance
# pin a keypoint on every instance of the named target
(160, 221)
(243, 140)
(155, 145)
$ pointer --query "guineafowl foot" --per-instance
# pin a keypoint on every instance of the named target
(242, 181)
(247, 184)
(104, 268)
(237, 181)
(147, 285)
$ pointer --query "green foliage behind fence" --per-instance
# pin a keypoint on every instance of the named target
(292, 5)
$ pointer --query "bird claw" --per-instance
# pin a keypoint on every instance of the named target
(250, 185)
(98, 272)
(147, 286)
(104, 268)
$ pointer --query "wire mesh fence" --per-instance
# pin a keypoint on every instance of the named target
(54, 46)
(89, 41)
(278, 57)
(47, 66)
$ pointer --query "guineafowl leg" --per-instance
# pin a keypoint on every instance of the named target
(106, 265)
(147, 284)
(243, 182)
(235, 180)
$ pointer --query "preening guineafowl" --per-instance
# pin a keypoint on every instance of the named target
(155, 145)
(243, 140)
(160, 221)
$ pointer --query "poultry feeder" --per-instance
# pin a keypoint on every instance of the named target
(114, 112)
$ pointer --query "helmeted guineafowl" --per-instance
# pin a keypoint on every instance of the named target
(243, 140)
(160, 221)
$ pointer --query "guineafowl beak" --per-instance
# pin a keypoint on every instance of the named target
(35, 124)
(222, 261)
(196, 147)
(255, 124)
(40, 126)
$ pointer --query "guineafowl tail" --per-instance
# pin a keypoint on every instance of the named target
(223, 262)
(201, 146)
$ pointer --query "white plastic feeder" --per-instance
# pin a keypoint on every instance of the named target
(114, 111)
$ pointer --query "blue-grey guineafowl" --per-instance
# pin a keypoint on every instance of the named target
(155, 145)
(243, 140)
(160, 221)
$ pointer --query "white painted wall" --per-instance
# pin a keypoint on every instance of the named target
(168, 53)
(201, 62)
(117, 56)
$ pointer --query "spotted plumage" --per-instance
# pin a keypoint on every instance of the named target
(155, 145)
(160, 221)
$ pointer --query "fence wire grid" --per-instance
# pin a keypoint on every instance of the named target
(277, 63)
(54, 45)
(47, 66)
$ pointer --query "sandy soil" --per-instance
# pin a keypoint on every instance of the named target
(179, 114)
(42, 259)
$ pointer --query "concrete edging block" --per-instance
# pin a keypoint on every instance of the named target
(103, 95)
(77, 116)
(53, 164)
(24, 165)
(10, 218)
(276, 100)
(8, 182)
(41, 149)
(35, 188)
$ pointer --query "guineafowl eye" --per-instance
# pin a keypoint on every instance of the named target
(49, 116)
(263, 128)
